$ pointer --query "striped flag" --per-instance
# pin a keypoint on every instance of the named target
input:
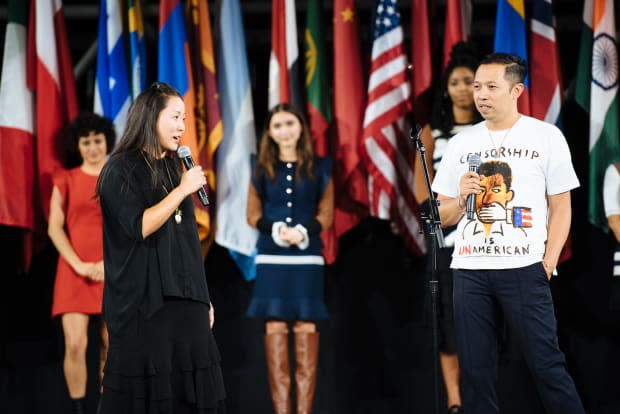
(350, 181)
(584, 61)
(208, 118)
(112, 96)
(387, 152)
(174, 68)
(318, 104)
(458, 25)
(50, 76)
(597, 92)
(137, 47)
(209, 127)
(317, 81)
(522, 217)
(284, 58)
(233, 159)
(173, 63)
(16, 125)
(510, 37)
(545, 79)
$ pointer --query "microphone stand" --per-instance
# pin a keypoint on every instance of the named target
(434, 236)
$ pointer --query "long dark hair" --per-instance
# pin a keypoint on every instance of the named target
(140, 134)
(462, 55)
(268, 150)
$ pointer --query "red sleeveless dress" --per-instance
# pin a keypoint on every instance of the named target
(74, 293)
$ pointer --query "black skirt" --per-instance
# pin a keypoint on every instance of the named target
(172, 365)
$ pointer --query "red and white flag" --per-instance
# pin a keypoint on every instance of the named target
(284, 58)
(386, 148)
(458, 25)
(51, 78)
(16, 125)
(545, 75)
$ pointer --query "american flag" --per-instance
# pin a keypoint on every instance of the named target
(386, 149)
(522, 217)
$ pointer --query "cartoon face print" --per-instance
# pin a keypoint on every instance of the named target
(492, 201)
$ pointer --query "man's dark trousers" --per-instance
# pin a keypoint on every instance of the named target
(523, 297)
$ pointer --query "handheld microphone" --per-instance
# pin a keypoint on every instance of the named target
(184, 153)
(474, 162)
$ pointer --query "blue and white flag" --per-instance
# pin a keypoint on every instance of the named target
(233, 154)
(112, 97)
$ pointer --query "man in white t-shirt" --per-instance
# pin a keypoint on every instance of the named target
(504, 257)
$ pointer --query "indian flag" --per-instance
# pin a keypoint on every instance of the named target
(16, 125)
(597, 93)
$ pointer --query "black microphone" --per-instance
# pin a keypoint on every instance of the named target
(474, 162)
(185, 154)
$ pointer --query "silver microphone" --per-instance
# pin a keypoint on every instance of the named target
(185, 154)
(474, 163)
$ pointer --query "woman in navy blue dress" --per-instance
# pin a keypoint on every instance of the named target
(290, 201)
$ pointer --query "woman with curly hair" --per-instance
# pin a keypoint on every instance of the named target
(74, 226)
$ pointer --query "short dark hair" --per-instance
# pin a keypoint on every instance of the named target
(516, 68)
(82, 126)
(497, 167)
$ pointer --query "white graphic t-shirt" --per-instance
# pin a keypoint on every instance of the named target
(521, 166)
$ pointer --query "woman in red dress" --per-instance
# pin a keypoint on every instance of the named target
(75, 229)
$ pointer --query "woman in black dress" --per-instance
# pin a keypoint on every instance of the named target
(162, 356)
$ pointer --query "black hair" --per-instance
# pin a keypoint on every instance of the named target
(141, 132)
(463, 54)
(490, 168)
(516, 68)
(82, 126)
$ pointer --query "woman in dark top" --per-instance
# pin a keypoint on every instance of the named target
(290, 201)
(453, 111)
(162, 356)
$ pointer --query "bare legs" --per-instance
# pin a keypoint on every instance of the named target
(103, 352)
(451, 378)
(75, 329)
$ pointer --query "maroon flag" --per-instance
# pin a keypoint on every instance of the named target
(421, 61)
(458, 25)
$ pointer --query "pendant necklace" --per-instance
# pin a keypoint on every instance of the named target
(178, 213)
(496, 149)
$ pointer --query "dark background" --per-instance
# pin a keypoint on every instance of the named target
(375, 348)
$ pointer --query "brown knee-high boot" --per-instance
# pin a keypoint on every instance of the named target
(306, 357)
(279, 371)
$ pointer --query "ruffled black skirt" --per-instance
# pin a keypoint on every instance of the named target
(171, 366)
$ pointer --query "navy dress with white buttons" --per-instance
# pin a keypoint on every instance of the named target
(289, 280)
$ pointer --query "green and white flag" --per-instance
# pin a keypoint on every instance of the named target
(597, 92)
